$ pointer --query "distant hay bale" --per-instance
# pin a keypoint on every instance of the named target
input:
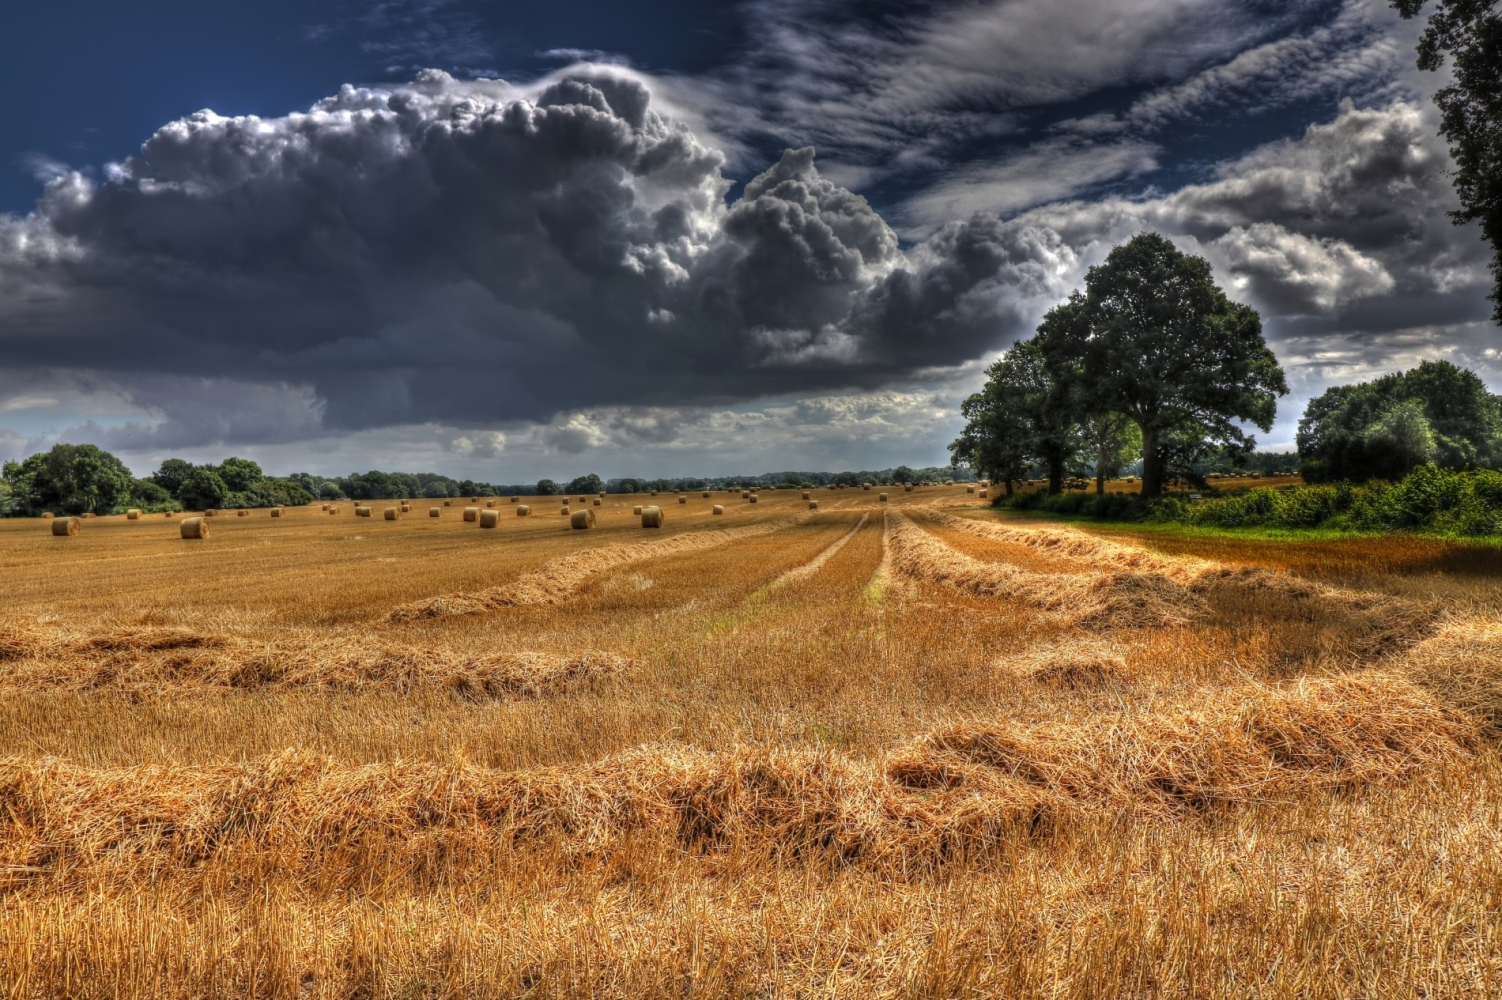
(448, 503)
(516, 499)
(651, 517)
(706, 494)
(636, 510)
(865, 486)
(598, 501)
(564, 511)
(984, 494)
(907, 488)
(133, 514)
(333, 510)
(390, 514)
(471, 513)
(718, 509)
(48, 516)
(745, 494)
(805, 494)
(813, 505)
(683, 499)
(276, 512)
(654, 493)
(193, 527)
(970, 488)
(406, 508)
(242, 512)
(602, 494)
(91, 514)
(66, 526)
(582, 519)
(754, 498)
(489, 518)
(325, 506)
(882, 497)
(435, 511)
(523, 511)
(362, 511)
(490, 503)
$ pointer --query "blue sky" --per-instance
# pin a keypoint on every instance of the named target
(509, 240)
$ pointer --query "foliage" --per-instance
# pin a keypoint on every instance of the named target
(1470, 32)
(70, 479)
(203, 489)
(1428, 499)
(547, 488)
(1382, 429)
(1023, 415)
(1153, 337)
(1110, 442)
(585, 484)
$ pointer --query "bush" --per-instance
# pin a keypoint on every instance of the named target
(1428, 499)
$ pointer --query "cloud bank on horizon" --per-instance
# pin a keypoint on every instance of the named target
(476, 274)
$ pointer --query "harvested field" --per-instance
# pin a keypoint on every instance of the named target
(912, 748)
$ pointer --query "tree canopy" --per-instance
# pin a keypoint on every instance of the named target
(1470, 33)
(1383, 429)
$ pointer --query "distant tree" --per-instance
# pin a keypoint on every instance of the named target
(436, 490)
(1111, 442)
(149, 495)
(1154, 338)
(239, 474)
(171, 474)
(202, 489)
(1470, 32)
(547, 488)
(1023, 416)
(585, 484)
(1384, 428)
(69, 479)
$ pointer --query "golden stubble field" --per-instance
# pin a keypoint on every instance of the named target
(904, 749)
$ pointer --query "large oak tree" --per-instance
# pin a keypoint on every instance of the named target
(1154, 338)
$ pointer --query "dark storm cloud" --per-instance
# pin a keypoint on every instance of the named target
(457, 252)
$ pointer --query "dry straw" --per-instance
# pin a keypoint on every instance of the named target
(193, 527)
(471, 513)
(65, 526)
(489, 518)
(582, 519)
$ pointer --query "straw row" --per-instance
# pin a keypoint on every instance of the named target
(558, 579)
(963, 785)
(815, 564)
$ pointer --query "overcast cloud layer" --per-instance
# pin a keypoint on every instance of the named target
(509, 280)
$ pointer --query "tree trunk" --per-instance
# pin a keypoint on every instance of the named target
(1009, 485)
(1152, 465)
(1055, 476)
(1100, 480)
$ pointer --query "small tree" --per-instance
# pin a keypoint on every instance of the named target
(547, 488)
(202, 489)
(1153, 337)
(1023, 415)
(1111, 442)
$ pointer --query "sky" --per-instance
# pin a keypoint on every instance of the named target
(505, 239)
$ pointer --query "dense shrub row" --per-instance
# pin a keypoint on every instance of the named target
(1428, 499)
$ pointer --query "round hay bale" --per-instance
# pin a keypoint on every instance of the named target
(193, 527)
(602, 494)
(242, 512)
(489, 518)
(805, 494)
(90, 515)
(683, 499)
(516, 499)
(490, 503)
(718, 509)
(598, 501)
(651, 517)
(970, 489)
(881, 497)
(362, 511)
(582, 519)
(133, 514)
(325, 506)
(908, 488)
(390, 514)
(471, 513)
(64, 526)
(435, 511)
(865, 486)
(654, 493)
(813, 505)
(48, 516)
(333, 510)
(474, 499)
(276, 512)
(523, 511)
(564, 511)
(984, 494)
(706, 494)
(754, 498)
(636, 510)
(406, 508)
(448, 503)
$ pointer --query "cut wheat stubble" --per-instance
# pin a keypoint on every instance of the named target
(559, 579)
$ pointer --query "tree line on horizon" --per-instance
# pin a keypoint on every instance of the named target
(1151, 362)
